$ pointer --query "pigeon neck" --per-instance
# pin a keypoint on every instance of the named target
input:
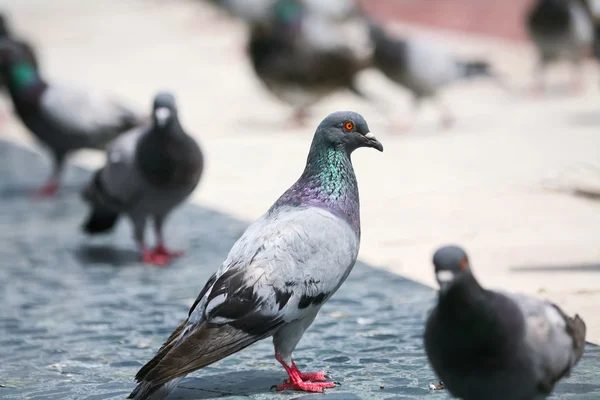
(464, 299)
(328, 182)
(23, 78)
(160, 153)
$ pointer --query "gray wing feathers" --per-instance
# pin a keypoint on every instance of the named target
(555, 340)
(86, 116)
(302, 251)
(120, 178)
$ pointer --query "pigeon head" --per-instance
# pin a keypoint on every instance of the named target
(451, 265)
(347, 129)
(164, 109)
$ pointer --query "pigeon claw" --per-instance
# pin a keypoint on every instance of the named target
(315, 387)
(162, 250)
(314, 376)
(153, 257)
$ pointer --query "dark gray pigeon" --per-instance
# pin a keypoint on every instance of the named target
(560, 30)
(422, 67)
(496, 346)
(302, 57)
(279, 273)
(63, 118)
(148, 172)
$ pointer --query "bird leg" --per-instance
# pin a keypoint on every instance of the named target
(299, 116)
(300, 381)
(148, 256)
(447, 119)
(161, 250)
(51, 186)
(577, 82)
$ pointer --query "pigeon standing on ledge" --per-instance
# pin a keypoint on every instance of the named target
(279, 273)
(63, 118)
(422, 68)
(561, 30)
(496, 346)
(148, 172)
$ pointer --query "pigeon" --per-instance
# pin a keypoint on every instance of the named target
(422, 67)
(63, 118)
(560, 30)
(279, 273)
(149, 171)
(496, 346)
(302, 58)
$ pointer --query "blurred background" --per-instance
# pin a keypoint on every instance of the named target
(503, 179)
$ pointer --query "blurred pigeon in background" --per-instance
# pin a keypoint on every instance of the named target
(560, 30)
(302, 57)
(63, 118)
(279, 273)
(423, 68)
(496, 346)
(148, 172)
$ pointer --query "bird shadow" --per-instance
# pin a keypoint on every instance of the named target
(586, 118)
(30, 192)
(105, 254)
(558, 268)
(238, 383)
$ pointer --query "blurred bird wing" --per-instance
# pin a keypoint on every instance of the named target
(120, 176)
(352, 34)
(430, 65)
(282, 269)
(87, 115)
(583, 27)
(555, 340)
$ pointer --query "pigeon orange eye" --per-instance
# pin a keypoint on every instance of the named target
(349, 125)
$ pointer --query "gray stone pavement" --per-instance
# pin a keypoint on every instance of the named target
(79, 316)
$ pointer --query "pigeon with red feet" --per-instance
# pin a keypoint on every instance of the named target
(279, 273)
(496, 346)
(148, 172)
(63, 118)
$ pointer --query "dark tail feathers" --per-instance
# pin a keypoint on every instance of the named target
(100, 220)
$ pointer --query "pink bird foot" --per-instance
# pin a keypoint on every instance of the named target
(48, 190)
(154, 258)
(162, 250)
(300, 381)
(300, 385)
(313, 376)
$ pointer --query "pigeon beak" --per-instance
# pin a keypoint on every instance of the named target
(162, 115)
(373, 142)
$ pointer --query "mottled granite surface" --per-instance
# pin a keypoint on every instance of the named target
(79, 316)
